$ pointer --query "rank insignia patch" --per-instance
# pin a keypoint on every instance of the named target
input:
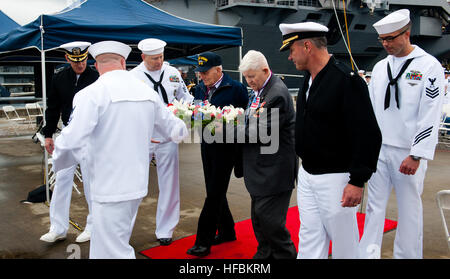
(414, 75)
(432, 91)
(422, 135)
(174, 78)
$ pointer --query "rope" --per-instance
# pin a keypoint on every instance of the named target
(343, 37)
(348, 38)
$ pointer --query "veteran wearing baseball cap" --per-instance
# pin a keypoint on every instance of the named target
(338, 157)
(64, 86)
(217, 88)
(407, 89)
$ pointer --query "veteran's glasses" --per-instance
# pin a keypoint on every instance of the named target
(391, 38)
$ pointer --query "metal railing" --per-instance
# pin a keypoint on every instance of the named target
(273, 3)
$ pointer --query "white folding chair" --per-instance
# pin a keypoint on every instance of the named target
(13, 117)
(39, 107)
(443, 202)
(52, 177)
(33, 111)
(444, 129)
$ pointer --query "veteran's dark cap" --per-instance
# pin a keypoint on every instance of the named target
(76, 51)
(207, 60)
(298, 31)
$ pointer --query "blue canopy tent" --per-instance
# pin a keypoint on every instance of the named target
(128, 21)
(6, 23)
(189, 60)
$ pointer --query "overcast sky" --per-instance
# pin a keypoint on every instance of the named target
(25, 11)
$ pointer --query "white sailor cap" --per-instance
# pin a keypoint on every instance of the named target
(110, 47)
(152, 46)
(76, 51)
(392, 22)
(299, 31)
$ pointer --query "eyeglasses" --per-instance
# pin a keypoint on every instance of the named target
(390, 38)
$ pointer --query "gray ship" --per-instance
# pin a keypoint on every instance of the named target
(259, 20)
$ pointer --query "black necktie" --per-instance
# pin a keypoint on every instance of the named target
(158, 84)
(387, 98)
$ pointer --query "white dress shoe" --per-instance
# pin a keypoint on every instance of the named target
(83, 237)
(52, 237)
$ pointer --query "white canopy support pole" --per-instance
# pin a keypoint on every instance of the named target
(44, 104)
(240, 59)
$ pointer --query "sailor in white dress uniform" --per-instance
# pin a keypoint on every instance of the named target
(406, 91)
(167, 81)
(110, 130)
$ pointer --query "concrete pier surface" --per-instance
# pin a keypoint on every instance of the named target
(22, 224)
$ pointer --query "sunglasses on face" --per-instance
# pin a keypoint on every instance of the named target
(390, 38)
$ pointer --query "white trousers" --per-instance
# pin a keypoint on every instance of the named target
(322, 218)
(113, 224)
(168, 208)
(61, 199)
(408, 189)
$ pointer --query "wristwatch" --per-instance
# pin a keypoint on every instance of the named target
(415, 158)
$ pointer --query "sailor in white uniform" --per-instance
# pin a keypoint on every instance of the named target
(110, 130)
(406, 90)
(167, 81)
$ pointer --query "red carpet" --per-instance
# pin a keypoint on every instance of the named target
(245, 245)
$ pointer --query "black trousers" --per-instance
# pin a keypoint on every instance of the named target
(218, 162)
(269, 225)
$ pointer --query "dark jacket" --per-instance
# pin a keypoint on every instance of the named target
(270, 174)
(230, 92)
(336, 129)
(63, 88)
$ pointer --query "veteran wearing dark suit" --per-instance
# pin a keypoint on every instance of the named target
(270, 164)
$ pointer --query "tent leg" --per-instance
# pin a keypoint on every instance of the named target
(44, 104)
(240, 59)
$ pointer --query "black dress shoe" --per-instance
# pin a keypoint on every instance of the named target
(199, 251)
(165, 241)
(218, 239)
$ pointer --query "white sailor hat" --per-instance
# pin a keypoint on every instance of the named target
(152, 46)
(299, 31)
(76, 51)
(392, 22)
(110, 47)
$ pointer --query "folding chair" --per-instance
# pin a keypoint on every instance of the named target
(443, 202)
(33, 111)
(444, 131)
(52, 177)
(13, 117)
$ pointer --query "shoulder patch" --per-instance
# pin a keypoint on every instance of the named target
(174, 78)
